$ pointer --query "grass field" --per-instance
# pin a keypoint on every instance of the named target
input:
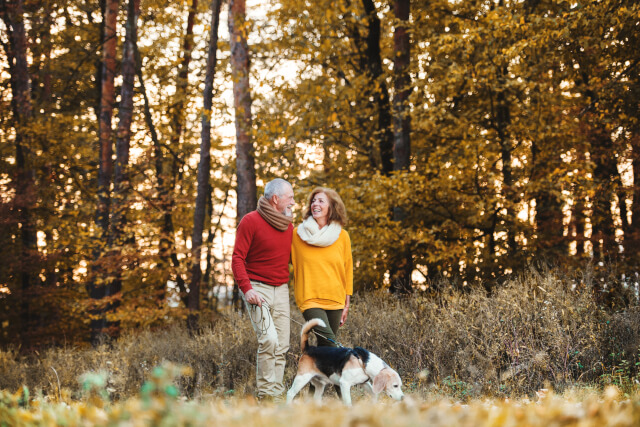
(163, 408)
(466, 357)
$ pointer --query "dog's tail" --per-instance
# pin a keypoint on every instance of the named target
(306, 328)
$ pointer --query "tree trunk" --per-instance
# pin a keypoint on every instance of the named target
(122, 185)
(403, 267)
(577, 226)
(13, 15)
(501, 121)
(203, 172)
(550, 243)
(167, 182)
(634, 227)
(380, 90)
(107, 99)
(98, 291)
(624, 219)
(212, 234)
(245, 166)
(177, 109)
(165, 244)
(603, 229)
(402, 84)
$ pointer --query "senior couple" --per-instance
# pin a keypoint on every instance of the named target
(319, 250)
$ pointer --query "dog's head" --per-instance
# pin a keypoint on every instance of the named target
(389, 381)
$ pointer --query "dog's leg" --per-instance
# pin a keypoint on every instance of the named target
(345, 390)
(369, 388)
(318, 392)
(298, 383)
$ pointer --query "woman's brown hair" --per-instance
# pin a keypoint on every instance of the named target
(337, 211)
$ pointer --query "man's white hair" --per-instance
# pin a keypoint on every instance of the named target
(276, 187)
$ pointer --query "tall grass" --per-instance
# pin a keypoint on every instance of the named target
(536, 330)
(158, 403)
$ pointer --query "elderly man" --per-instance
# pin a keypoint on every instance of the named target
(260, 266)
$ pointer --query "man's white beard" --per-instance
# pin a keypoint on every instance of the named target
(287, 212)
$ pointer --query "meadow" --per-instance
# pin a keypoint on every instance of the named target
(540, 349)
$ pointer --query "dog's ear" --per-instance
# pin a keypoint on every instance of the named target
(380, 382)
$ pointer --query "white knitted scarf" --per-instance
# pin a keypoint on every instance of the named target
(316, 236)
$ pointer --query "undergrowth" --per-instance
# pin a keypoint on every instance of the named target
(159, 403)
(538, 330)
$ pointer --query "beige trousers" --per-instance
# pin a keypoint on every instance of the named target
(271, 324)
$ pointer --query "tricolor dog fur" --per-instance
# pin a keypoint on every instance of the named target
(344, 367)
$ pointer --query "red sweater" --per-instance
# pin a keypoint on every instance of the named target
(261, 252)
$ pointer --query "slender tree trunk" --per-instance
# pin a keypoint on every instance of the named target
(501, 116)
(182, 83)
(578, 223)
(624, 219)
(550, 243)
(47, 194)
(380, 90)
(403, 267)
(121, 177)
(204, 171)
(165, 243)
(168, 174)
(578, 212)
(13, 15)
(122, 185)
(213, 230)
(634, 227)
(604, 173)
(97, 291)
(401, 61)
(99, 63)
(603, 157)
(107, 100)
(245, 166)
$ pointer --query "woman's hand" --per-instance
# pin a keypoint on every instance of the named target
(345, 310)
(343, 319)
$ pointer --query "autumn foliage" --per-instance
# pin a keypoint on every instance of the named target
(469, 140)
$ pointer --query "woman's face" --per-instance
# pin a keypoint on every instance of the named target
(320, 207)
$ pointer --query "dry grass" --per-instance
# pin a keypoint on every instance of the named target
(535, 331)
(583, 409)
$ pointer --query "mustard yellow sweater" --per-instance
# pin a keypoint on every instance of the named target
(323, 276)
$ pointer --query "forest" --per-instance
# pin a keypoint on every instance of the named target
(487, 152)
(471, 141)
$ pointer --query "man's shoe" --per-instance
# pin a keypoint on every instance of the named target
(267, 398)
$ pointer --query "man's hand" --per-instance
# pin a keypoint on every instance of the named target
(252, 297)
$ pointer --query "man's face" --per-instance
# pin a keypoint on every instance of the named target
(284, 202)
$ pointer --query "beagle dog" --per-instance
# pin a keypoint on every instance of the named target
(344, 367)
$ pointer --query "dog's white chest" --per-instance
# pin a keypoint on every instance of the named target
(354, 376)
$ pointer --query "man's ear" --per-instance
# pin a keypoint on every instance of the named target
(380, 382)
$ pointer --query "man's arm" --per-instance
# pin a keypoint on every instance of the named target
(244, 235)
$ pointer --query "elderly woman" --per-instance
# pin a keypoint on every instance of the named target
(322, 263)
